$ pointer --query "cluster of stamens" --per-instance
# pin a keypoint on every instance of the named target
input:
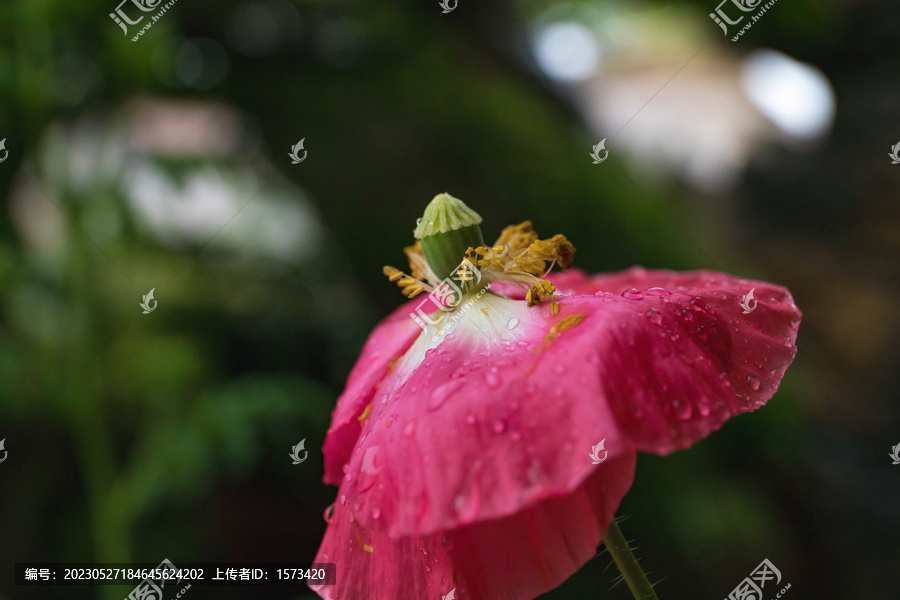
(518, 257)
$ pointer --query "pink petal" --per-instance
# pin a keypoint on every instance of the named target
(516, 558)
(685, 358)
(494, 420)
(475, 430)
(389, 341)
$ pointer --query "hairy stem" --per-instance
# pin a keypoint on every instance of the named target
(628, 565)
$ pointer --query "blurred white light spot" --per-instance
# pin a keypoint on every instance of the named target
(795, 96)
(567, 51)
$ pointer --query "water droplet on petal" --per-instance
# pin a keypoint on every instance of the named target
(442, 393)
(467, 503)
(682, 409)
(593, 357)
(633, 294)
(498, 425)
(560, 369)
(511, 324)
(492, 379)
(515, 436)
(376, 512)
(343, 499)
(654, 291)
(410, 427)
(654, 315)
(753, 381)
(471, 419)
(329, 513)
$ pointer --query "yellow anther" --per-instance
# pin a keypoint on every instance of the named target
(567, 323)
(557, 248)
(531, 265)
(392, 273)
(365, 414)
(517, 237)
(537, 291)
(411, 291)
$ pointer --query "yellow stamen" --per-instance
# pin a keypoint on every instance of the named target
(409, 286)
(535, 292)
(565, 324)
(517, 237)
(392, 273)
(557, 248)
(365, 414)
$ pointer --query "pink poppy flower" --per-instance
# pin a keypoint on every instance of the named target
(488, 433)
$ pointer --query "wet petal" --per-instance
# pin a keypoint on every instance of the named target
(494, 418)
(516, 558)
(388, 342)
(486, 423)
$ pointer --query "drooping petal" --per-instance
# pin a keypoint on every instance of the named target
(388, 341)
(492, 419)
(516, 558)
(686, 356)
(480, 425)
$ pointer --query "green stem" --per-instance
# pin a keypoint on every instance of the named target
(628, 565)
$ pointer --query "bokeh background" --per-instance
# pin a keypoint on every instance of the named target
(163, 164)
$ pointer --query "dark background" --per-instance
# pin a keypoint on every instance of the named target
(163, 164)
